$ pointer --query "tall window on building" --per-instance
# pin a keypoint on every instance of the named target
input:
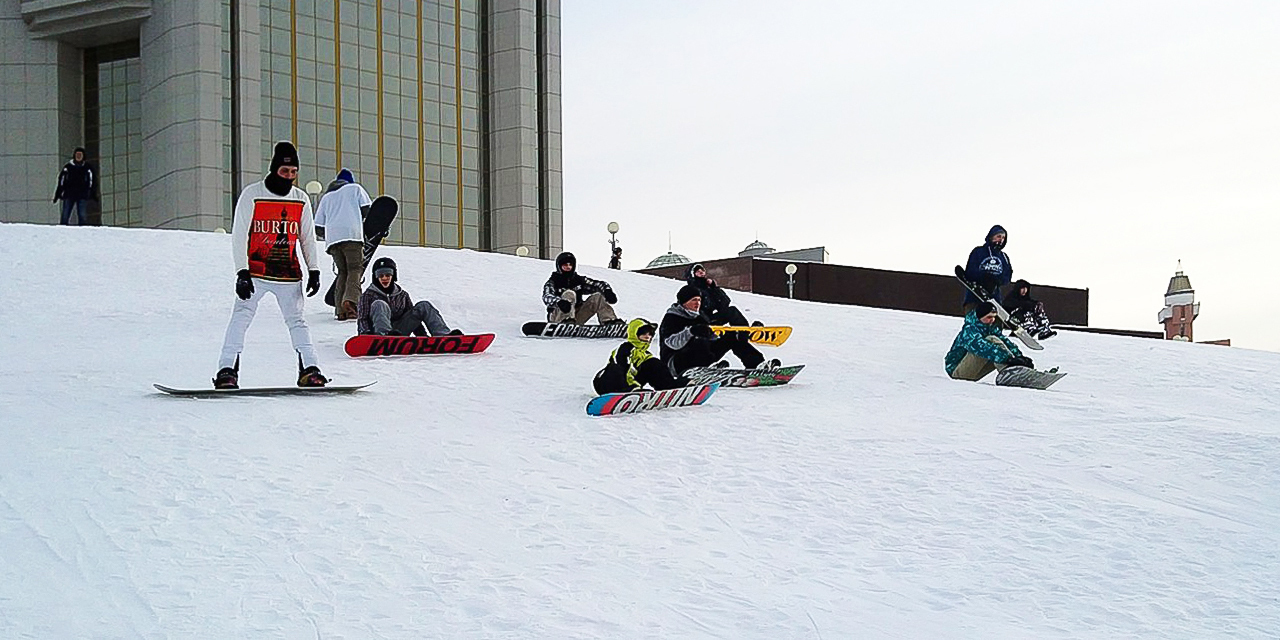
(113, 130)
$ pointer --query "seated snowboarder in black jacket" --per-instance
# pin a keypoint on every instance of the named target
(687, 340)
(716, 306)
(573, 298)
(1028, 311)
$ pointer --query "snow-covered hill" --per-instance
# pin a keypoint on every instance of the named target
(471, 497)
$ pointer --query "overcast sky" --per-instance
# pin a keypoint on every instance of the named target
(1111, 138)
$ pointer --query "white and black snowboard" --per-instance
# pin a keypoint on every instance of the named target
(565, 330)
(1027, 378)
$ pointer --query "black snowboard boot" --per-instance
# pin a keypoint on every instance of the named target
(310, 377)
(226, 378)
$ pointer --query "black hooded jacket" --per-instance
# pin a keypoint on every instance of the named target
(1015, 302)
(714, 299)
(560, 281)
(77, 181)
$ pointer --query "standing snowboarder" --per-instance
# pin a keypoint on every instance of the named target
(573, 298)
(273, 220)
(980, 348)
(77, 184)
(988, 267)
(341, 212)
(631, 366)
(687, 339)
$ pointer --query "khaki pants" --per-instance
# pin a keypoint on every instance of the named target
(593, 305)
(348, 257)
(974, 367)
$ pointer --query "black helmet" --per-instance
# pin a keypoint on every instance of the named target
(567, 258)
(382, 264)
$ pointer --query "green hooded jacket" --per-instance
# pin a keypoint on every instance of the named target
(973, 339)
(634, 352)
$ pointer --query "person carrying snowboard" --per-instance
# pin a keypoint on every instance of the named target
(988, 267)
(272, 221)
(386, 309)
(1028, 312)
(687, 340)
(631, 366)
(341, 212)
(980, 347)
(573, 298)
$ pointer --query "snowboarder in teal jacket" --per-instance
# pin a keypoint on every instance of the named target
(980, 348)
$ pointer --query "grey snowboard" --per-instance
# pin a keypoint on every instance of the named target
(1015, 328)
(261, 391)
(1027, 377)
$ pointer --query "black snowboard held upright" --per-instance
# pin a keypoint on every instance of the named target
(376, 226)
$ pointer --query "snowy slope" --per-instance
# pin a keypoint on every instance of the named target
(470, 496)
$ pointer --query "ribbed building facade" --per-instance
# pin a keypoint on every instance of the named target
(452, 107)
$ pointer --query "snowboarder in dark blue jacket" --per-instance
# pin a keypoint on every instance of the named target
(988, 267)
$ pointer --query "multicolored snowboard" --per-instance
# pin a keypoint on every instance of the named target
(772, 336)
(1017, 330)
(261, 391)
(373, 345)
(561, 330)
(1028, 378)
(744, 377)
(612, 404)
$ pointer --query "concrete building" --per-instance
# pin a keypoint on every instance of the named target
(452, 107)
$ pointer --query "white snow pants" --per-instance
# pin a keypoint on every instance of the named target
(289, 295)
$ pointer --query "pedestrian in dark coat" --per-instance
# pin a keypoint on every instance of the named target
(77, 185)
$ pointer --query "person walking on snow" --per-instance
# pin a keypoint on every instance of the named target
(573, 298)
(988, 267)
(687, 340)
(77, 184)
(272, 222)
(386, 309)
(631, 366)
(341, 212)
(1028, 312)
(980, 348)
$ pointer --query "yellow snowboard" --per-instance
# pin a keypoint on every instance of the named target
(772, 336)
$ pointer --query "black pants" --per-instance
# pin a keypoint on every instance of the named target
(704, 353)
(613, 377)
(730, 316)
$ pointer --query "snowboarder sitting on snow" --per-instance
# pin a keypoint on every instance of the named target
(716, 307)
(988, 267)
(631, 366)
(1027, 311)
(385, 309)
(980, 348)
(687, 339)
(573, 298)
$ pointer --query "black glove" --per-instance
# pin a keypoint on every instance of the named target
(700, 331)
(564, 305)
(1021, 361)
(610, 296)
(244, 284)
(313, 282)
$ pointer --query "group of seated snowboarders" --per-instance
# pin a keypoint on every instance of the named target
(685, 337)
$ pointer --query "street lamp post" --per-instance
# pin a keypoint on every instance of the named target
(615, 260)
(791, 280)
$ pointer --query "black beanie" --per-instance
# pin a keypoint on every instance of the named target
(687, 293)
(285, 155)
(984, 308)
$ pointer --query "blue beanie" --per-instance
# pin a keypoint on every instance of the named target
(346, 175)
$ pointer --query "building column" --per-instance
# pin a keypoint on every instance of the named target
(182, 134)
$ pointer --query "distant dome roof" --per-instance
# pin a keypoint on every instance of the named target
(755, 249)
(1179, 283)
(667, 259)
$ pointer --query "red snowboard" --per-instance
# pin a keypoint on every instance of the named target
(372, 345)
